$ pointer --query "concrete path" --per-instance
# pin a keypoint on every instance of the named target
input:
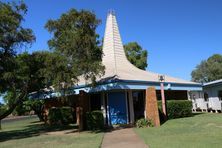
(122, 138)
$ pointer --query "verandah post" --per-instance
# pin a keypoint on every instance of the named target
(152, 112)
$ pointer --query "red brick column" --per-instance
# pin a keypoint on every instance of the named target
(152, 106)
(81, 109)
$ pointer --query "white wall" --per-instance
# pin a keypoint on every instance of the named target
(213, 90)
(213, 102)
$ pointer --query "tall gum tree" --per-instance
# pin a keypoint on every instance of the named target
(75, 37)
(74, 52)
(12, 38)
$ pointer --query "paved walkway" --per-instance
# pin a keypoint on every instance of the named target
(122, 138)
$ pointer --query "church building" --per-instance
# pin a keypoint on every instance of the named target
(120, 93)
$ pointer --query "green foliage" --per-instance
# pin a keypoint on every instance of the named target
(75, 38)
(75, 52)
(177, 108)
(208, 70)
(12, 34)
(95, 120)
(136, 55)
(46, 69)
(12, 38)
(33, 70)
(142, 123)
(3, 108)
(37, 70)
(60, 115)
(67, 115)
(8, 98)
(55, 116)
(21, 110)
(37, 106)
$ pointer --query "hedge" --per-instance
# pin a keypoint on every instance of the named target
(94, 120)
(60, 115)
(142, 123)
(177, 108)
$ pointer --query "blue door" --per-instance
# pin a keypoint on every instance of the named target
(117, 108)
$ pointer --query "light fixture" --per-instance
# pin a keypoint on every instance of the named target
(161, 78)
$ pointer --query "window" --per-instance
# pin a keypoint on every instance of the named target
(193, 96)
(201, 95)
(206, 97)
(220, 95)
(138, 104)
(95, 102)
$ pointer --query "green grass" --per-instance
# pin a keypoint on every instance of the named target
(28, 133)
(203, 130)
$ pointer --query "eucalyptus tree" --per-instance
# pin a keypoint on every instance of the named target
(12, 38)
(75, 38)
(208, 70)
(136, 55)
(74, 52)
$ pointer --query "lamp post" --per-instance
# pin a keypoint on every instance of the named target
(162, 79)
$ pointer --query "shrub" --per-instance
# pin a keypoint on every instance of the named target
(95, 120)
(177, 108)
(141, 123)
(67, 115)
(3, 108)
(60, 115)
(37, 106)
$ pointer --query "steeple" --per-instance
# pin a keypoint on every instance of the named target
(113, 51)
(115, 61)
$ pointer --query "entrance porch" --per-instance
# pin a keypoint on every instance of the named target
(126, 106)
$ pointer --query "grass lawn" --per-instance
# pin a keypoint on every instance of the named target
(203, 130)
(29, 133)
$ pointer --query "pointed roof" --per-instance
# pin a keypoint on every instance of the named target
(116, 64)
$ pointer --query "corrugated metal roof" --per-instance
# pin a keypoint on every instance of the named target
(213, 82)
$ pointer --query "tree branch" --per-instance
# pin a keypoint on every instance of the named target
(13, 106)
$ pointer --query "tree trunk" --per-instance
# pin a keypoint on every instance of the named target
(39, 110)
(39, 114)
(13, 106)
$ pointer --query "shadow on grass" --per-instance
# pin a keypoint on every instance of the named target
(36, 122)
(35, 129)
(162, 121)
(197, 113)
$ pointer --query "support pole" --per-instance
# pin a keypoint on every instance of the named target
(79, 115)
(163, 101)
(131, 107)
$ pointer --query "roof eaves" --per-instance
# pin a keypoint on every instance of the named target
(138, 81)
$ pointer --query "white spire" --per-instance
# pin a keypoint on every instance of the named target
(113, 51)
(115, 60)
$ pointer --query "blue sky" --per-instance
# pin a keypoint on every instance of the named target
(178, 34)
